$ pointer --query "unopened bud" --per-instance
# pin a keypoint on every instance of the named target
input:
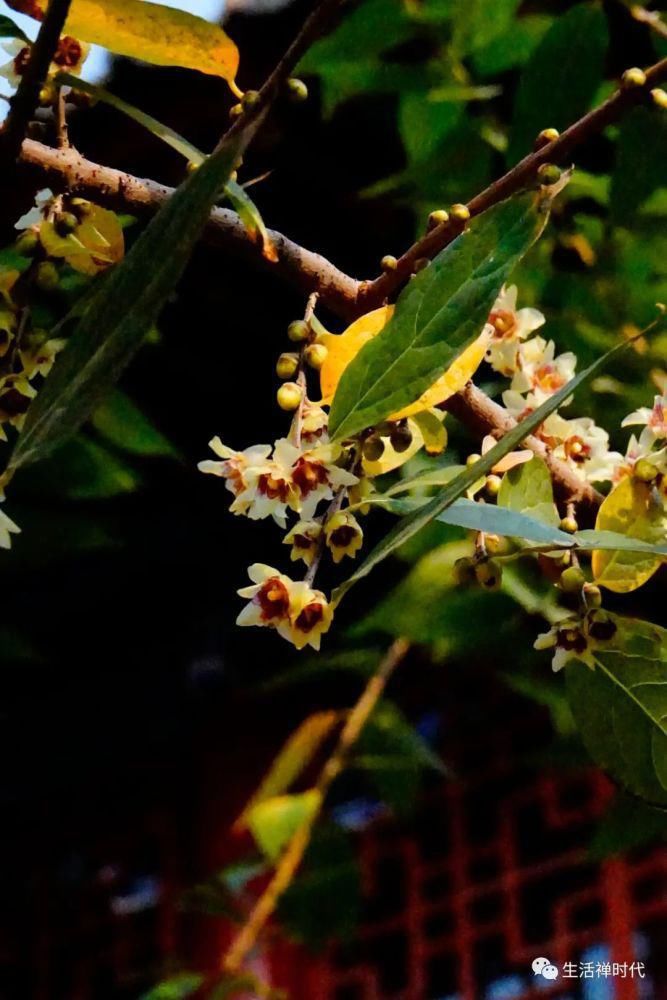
(438, 218)
(548, 173)
(373, 448)
(489, 574)
(287, 365)
(592, 595)
(569, 524)
(572, 580)
(27, 243)
(388, 263)
(65, 223)
(289, 396)
(459, 212)
(250, 99)
(645, 471)
(298, 331)
(401, 437)
(47, 277)
(464, 571)
(472, 459)
(315, 355)
(546, 136)
(659, 97)
(236, 111)
(297, 90)
(492, 485)
(634, 77)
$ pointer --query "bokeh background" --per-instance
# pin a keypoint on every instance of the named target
(136, 718)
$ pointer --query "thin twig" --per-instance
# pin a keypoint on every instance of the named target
(62, 131)
(24, 102)
(290, 861)
(651, 18)
(522, 175)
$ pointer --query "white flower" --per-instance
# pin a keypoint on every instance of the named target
(294, 609)
(317, 477)
(582, 445)
(540, 372)
(654, 422)
(7, 529)
(20, 51)
(508, 327)
(36, 214)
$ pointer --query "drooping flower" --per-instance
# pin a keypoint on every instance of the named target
(314, 422)
(304, 539)
(654, 422)
(294, 609)
(235, 465)
(317, 477)
(15, 396)
(343, 534)
(70, 56)
(577, 638)
(509, 326)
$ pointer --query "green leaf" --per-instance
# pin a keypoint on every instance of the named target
(274, 822)
(527, 489)
(123, 424)
(476, 23)
(434, 477)
(176, 987)
(10, 30)
(413, 523)
(641, 154)
(513, 48)
(117, 319)
(589, 539)
(621, 707)
(292, 759)
(437, 316)
(486, 517)
(561, 77)
(629, 824)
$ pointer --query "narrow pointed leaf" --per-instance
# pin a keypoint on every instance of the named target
(440, 313)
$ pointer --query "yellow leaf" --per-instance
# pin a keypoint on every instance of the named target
(391, 459)
(96, 243)
(342, 348)
(631, 510)
(274, 822)
(150, 32)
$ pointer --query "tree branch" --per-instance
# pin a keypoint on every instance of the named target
(24, 102)
(522, 175)
(293, 855)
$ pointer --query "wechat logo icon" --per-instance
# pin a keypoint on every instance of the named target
(543, 967)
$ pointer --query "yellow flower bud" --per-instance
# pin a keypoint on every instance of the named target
(236, 111)
(569, 524)
(492, 485)
(548, 173)
(287, 365)
(298, 331)
(633, 77)
(388, 263)
(438, 218)
(459, 212)
(659, 97)
(592, 595)
(546, 136)
(315, 355)
(297, 90)
(572, 580)
(289, 396)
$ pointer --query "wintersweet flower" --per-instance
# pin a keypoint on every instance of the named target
(236, 464)
(654, 422)
(7, 529)
(15, 396)
(294, 609)
(577, 638)
(316, 477)
(304, 539)
(344, 535)
(509, 326)
(314, 422)
(540, 372)
(70, 55)
(582, 445)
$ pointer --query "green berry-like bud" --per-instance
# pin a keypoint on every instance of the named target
(250, 99)
(47, 278)
(438, 218)
(373, 448)
(572, 580)
(289, 396)
(192, 167)
(592, 595)
(81, 206)
(27, 243)
(645, 471)
(297, 90)
(471, 459)
(66, 223)
(236, 111)
(287, 365)
(464, 571)
(315, 355)
(634, 77)
(489, 574)
(546, 136)
(298, 331)
(569, 524)
(401, 437)
(459, 212)
(548, 173)
(388, 263)
(492, 485)
(659, 97)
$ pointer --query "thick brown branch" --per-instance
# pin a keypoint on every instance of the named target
(522, 175)
(67, 169)
(24, 102)
(474, 408)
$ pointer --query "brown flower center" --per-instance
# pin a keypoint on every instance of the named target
(576, 449)
(308, 476)
(69, 52)
(273, 599)
(310, 617)
(343, 536)
(272, 487)
(503, 322)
